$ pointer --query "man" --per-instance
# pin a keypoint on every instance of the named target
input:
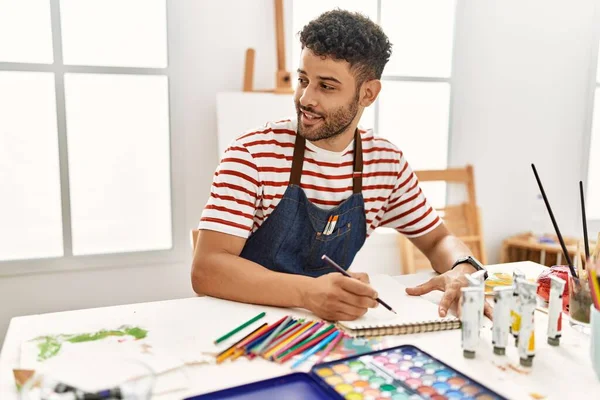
(290, 192)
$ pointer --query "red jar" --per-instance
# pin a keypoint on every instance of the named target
(543, 280)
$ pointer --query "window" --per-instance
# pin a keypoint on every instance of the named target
(85, 159)
(413, 108)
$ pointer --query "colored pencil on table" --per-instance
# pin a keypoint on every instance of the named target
(334, 338)
(254, 336)
(258, 349)
(306, 346)
(236, 354)
(304, 327)
(291, 326)
(292, 337)
(222, 356)
(296, 325)
(307, 339)
(239, 328)
(330, 348)
(257, 339)
(320, 333)
(287, 332)
(263, 334)
(272, 335)
(241, 340)
(299, 339)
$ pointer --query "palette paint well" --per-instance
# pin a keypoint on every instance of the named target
(403, 372)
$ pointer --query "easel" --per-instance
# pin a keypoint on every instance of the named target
(283, 80)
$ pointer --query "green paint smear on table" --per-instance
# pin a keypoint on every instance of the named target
(50, 345)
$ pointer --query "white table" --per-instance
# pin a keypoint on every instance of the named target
(557, 373)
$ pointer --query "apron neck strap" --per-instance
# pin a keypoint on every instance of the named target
(298, 161)
(358, 164)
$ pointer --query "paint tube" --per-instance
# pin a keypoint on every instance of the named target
(515, 310)
(502, 303)
(557, 286)
(471, 298)
(527, 329)
(478, 280)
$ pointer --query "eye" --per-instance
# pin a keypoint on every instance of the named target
(303, 81)
(327, 87)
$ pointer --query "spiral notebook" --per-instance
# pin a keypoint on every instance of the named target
(414, 314)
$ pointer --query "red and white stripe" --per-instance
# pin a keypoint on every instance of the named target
(254, 173)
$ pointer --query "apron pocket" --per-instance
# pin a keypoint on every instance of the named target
(334, 245)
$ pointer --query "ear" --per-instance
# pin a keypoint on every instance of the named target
(369, 91)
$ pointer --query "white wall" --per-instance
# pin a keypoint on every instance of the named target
(521, 81)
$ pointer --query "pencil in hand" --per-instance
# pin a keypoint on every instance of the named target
(343, 272)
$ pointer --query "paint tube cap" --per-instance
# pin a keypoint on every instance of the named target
(554, 341)
(499, 351)
(468, 354)
(526, 362)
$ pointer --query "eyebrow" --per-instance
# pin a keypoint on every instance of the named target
(323, 78)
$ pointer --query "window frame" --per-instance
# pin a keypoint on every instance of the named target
(422, 79)
(425, 79)
(594, 83)
(68, 262)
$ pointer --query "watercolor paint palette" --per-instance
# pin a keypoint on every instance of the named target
(403, 372)
(398, 373)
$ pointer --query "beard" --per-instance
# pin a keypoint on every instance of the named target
(330, 124)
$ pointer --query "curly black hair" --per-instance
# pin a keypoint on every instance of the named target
(350, 36)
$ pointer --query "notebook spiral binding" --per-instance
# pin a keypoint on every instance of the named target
(406, 329)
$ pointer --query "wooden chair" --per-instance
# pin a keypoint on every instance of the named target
(463, 220)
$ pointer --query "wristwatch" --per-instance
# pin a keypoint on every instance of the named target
(473, 261)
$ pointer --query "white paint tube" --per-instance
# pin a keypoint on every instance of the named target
(470, 300)
(477, 280)
(515, 310)
(557, 286)
(502, 302)
(527, 331)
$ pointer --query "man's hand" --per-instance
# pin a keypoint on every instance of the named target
(450, 283)
(335, 297)
(361, 276)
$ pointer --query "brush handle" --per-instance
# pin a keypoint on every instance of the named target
(560, 238)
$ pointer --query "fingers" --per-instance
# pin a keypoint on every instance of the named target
(432, 284)
(361, 276)
(350, 310)
(340, 316)
(357, 287)
(451, 295)
(356, 301)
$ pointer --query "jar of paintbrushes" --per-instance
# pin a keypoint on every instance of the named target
(580, 295)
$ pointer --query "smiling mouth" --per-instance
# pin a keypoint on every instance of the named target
(310, 118)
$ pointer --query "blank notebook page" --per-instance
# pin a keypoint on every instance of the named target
(409, 309)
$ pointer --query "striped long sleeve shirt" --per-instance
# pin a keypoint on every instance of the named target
(255, 170)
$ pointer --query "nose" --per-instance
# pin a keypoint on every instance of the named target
(308, 96)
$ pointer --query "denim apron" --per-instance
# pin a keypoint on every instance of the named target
(293, 238)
